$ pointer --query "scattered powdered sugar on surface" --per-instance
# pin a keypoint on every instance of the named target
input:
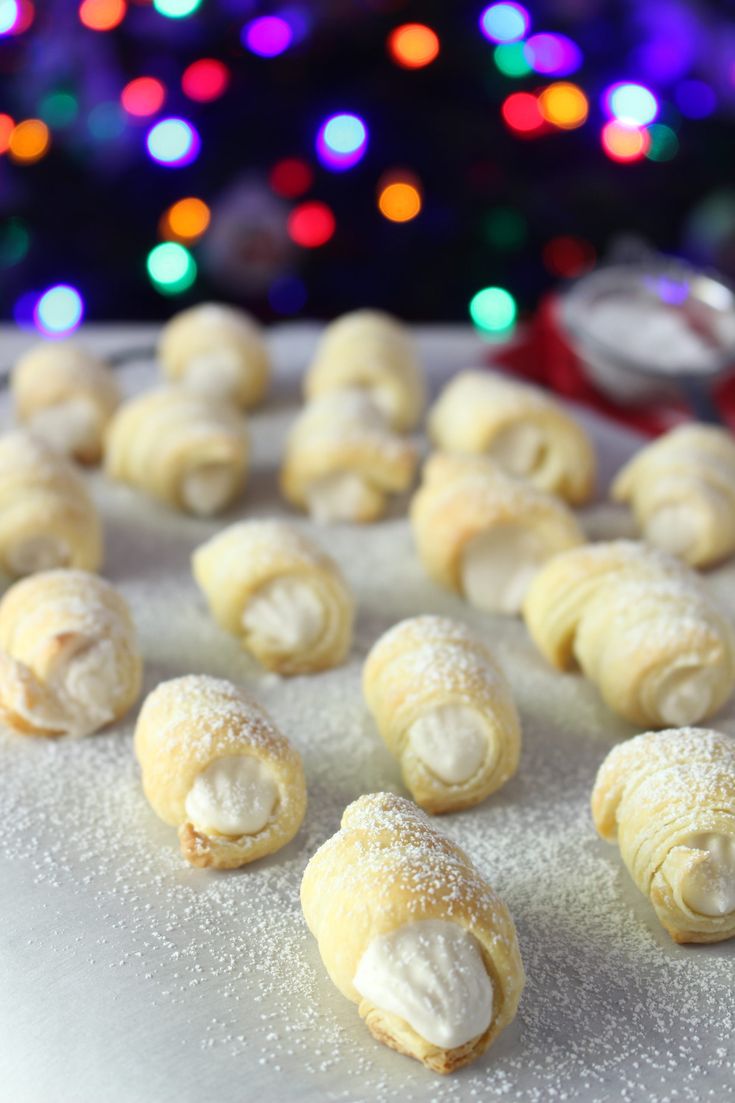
(128, 976)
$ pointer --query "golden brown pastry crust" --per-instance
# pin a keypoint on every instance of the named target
(49, 624)
(651, 795)
(238, 562)
(634, 620)
(218, 351)
(681, 489)
(188, 723)
(426, 662)
(54, 375)
(164, 439)
(388, 866)
(481, 412)
(47, 518)
(371, 351)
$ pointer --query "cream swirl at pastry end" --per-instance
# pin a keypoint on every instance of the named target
(451, 741)
(673, 528)
(709, 886)
(431, 974)
(498, 566)
(339, 497)
(68, 427)
(518, 448)
(207, 489)
(286, 613)
(235, 795)
(684, 695)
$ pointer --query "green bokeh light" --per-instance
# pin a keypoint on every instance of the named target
(505, 228)
(493, 309)
(171, 267)
(15, 242)
(176, 9)
(58, 109)
(510, 59)
(664, 143)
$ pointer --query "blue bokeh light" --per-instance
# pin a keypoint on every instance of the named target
(631, 104)
(341, 141)
(59, 310)
(505, 22)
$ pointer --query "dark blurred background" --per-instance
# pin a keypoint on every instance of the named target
(500, 145)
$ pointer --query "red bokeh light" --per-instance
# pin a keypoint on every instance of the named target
(102, 15)
(143, 96)
(7, 126)
(521, 112)
(291, 177)
(311, 224)
(205, 80)
(568, 256)
(26, 15)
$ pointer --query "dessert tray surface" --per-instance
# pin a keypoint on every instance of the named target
(129, 977)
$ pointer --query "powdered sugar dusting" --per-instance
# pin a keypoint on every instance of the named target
(134, 977)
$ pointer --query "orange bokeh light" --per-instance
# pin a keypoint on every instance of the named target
(564, 105)
(187, 219)
(413, 45)
(29, 141)
(399, 201)
(102, 15)
(625, 143)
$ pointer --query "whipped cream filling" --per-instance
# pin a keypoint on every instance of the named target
(67, 427)
(431, 974)
(518, 448)
(451, 741)
(286, 614)
(207, 489)
(214, 374)
(709, 888)
(339, 497)
(38, 553)
(498, 567)
(672, 528)
(89, 679)
(234, 795)
(684, 696)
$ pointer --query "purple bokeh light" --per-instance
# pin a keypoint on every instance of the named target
(552, 54)
(695, 99)
(268, 36)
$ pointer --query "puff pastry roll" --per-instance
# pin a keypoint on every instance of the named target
(483, 534)
(214, 765)
(189, 451)
(640, 625)
(668, 799)
(343, 460)
(217, 351)
(410, 932)
(66, 397)
(69, 660)
(445, 710)
(280, 593)
(47, 518)
(370, 351)
(682, 491)
(519, 426)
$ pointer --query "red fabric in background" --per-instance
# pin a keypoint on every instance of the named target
(543, 355)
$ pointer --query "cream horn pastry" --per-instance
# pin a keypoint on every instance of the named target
(521, 427)
(640, 625)
(445, 710)
(189, 451)
(681, 489)
(668, 800)
(410, 932)
(218, 351)
(484, 534)
(373, 352)
(215, 766)
(275, 589)
(343, 460)
(65, 396)
(47, 518)
(69, 659)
